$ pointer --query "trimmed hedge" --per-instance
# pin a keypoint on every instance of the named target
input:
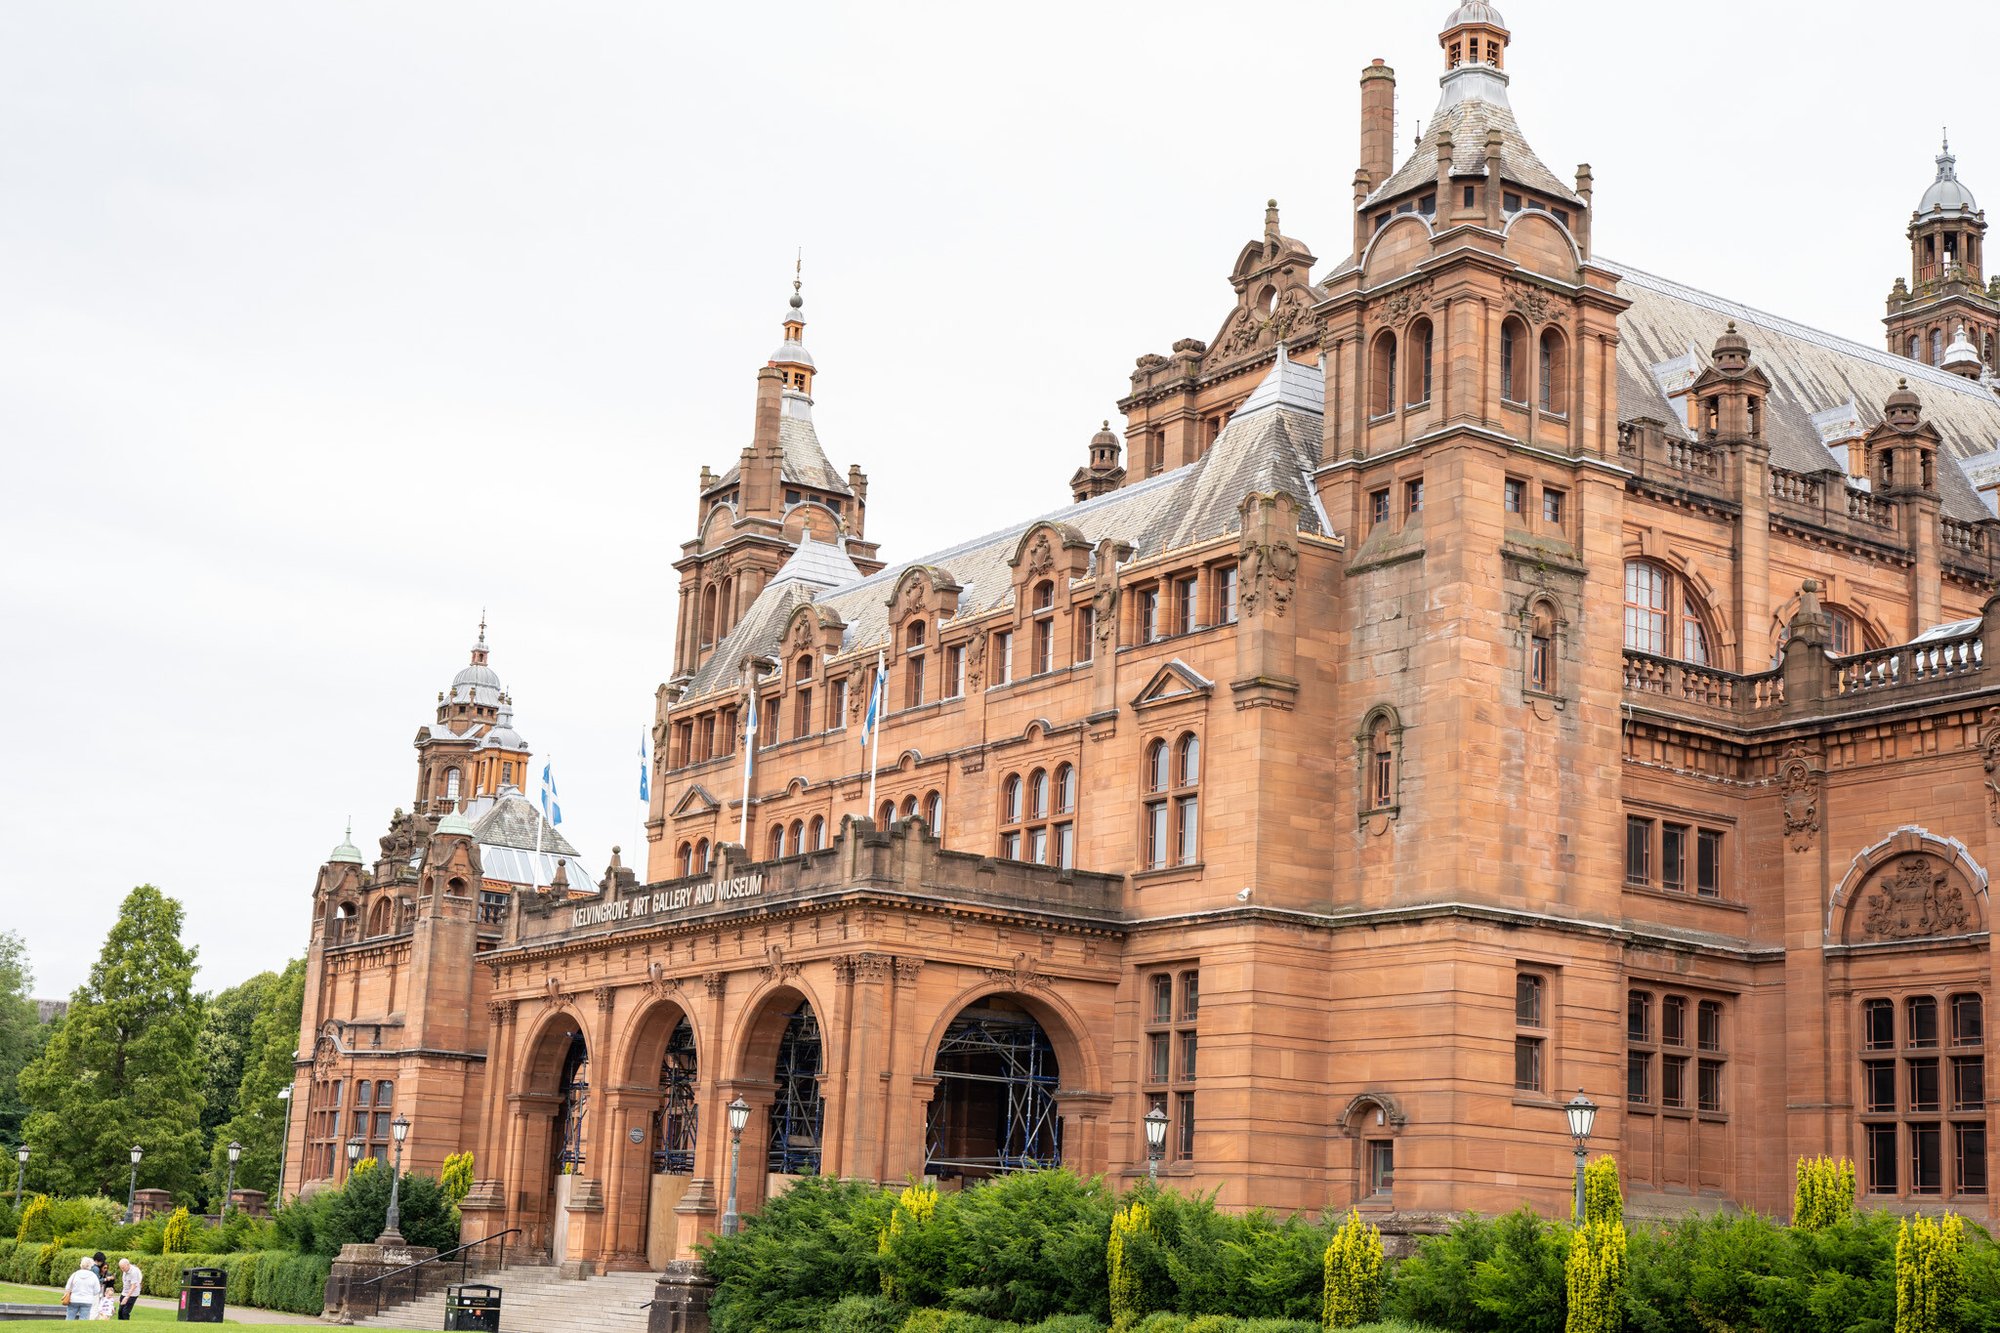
(264, 1279)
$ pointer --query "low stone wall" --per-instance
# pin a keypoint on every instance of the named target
(22, 1313)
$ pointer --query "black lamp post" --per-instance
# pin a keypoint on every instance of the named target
(1582, 1114)
(392, 1234)
(132, 1185)
(235, 1156)
(739, 1116)
(20, 1172)
(353, 1155)
(1156, 1141)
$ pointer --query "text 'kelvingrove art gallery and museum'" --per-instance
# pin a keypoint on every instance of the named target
(1481, 670)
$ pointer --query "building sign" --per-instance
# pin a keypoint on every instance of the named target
(665, 902)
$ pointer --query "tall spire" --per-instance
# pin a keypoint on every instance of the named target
(479, 648)
(792, 358)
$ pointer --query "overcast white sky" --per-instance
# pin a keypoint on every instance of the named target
(322, 326)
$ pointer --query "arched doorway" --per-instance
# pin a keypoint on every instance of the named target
(798, 1116)
(676, 1121)
(571, 1155)
(994, 1110)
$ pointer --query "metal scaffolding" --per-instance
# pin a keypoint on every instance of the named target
(676, 1121)
(798, 1114)
(995, 1109)
(575, 1089)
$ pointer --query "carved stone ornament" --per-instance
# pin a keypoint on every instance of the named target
(1041, 556)
(1406, 301)
(802, 636)
(1801, 779)
(325, 1051)
(552, 994)
(913, 594)
(776, 967)
(606, 997)
(907, 968)
(1915, 899)
(1270, 576)
(1244, 332)
(1104, 610)
(715, 983)
(857, 693)
(499, 1011)
(1021, 976)
(861, 967)
(659, 985)
(1293, 317)
(975, 663)
(1533, 303)
(1989, 744)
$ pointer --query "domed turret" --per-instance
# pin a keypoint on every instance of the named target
(1903, 409)
(1947, 195)
(1962, 358)
(476, 682)
(347, 853)
(1732, 351)
(792, 358)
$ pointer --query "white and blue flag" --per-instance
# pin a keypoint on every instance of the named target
(551, 810)
(874, 701)
(645, 770)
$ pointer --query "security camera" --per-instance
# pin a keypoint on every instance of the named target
(1243, 894)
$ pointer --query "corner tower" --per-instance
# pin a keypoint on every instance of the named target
(781, 492)
(1947, 288)
(472, 751)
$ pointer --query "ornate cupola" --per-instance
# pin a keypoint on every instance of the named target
(1730, 394)
(1104, 472)
(1475, 34)
(1902, 451)
(792, 358)
(1945, 301)
(1961, 357)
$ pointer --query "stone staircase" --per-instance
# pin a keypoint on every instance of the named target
(534, 1299)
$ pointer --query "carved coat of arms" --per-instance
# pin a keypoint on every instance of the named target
(1916, 899)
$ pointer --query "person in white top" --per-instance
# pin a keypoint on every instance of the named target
(80, 1293)
(130, 1280)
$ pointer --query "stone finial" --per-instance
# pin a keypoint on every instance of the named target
(1810, 623)
(1903, 408)
(1732, 351)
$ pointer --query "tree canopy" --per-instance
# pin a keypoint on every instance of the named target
(20, 1032)
(123, 1067)
(257, 1116)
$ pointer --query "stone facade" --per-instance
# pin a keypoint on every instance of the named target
(1490, 672)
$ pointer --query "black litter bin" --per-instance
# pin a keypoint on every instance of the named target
(203, 1291)
(470, 1305)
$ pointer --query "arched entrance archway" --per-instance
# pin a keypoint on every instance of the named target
(551, 1118)
(652, 1136)
(798, 1114)
(994, 1110)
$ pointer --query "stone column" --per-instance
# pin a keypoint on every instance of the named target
(1106, 605)
(624, 1164)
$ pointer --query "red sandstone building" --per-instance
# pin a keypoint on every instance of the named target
(1481, 670)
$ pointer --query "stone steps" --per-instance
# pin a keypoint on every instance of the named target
(533, 1297)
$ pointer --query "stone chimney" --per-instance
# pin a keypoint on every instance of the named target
(1378, 122)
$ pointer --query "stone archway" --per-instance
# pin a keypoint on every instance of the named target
(658, 1096)
(549, 1141)
(994, 1108)
(781, 1060)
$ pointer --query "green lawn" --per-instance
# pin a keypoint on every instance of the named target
(12, 1293)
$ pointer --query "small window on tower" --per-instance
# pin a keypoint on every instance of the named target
(1511, 201)
(1468, 196)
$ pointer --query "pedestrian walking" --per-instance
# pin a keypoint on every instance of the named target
(80, 1293)
(130, 1281)
(107, 1295)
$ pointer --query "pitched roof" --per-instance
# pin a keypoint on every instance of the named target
(506, 838)
(1472, 101)
(1813, 375)
(805, 462)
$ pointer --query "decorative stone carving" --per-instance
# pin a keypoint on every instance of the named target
(1532, 303)
(606, 997)
(659, 985)
(715, 983)
(1293, 317)
(499, 1011)
(776, 966)
(908, 968)
(1270, 575)
(1241, 336)
(1917, 897)
(553, 996)
(1801, 778)
(975, 664)
(1989, 744)
(1021, 976)
(1041, 556)
(843, 969)
(1406, 301)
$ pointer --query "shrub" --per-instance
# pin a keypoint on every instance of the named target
(804, 1251)
(177, 1237)
(35, 1223)
(456, 1177)
(1824, 1195)
(950, 1321)
(357, 1211)
(913, 1252)
(864, 1314)
(1353, 1274)
(1930, 1274)
(363, 1167)
(1066, 1323)
(1122, 1275)
(1602, 1199)
(1596, 1273)
(1029, 1245)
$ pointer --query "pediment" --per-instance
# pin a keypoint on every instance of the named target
(1176, 682)
(696, 800)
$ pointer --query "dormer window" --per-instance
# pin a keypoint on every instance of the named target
(451, 784)
(915, 640)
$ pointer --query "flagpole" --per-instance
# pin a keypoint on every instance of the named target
(535, 870)
(749, 749)
(875, 732)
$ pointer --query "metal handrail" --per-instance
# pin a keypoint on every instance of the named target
(374, 1284)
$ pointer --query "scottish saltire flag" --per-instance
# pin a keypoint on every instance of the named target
(874, 700)
(645, 770)
(551, 810)
(750, 727)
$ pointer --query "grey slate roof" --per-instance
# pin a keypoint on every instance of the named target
(1473, 101)
(822, 563)
(805, 462)
(1271, 444)
(1811, 373)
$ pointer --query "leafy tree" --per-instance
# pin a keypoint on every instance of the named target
(224, 1045)
(1353, 1274)
(457, 1177)
(1824, 1196)
(257, 1120)
(122, 1068)
(798, 1254)
(355, 1214)
(20, 1032)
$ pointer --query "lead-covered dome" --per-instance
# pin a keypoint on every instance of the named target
(1474, 12)
(1947, 194)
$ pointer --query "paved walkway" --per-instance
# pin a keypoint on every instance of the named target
(237, 1314)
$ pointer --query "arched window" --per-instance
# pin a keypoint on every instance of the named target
(1663, 615)
(934, 814)
(885, 814)
(451, 784)
(381, 917)
(802, 697)
(725, 609)
(916, 637)
(1380, 742)
(1065, 789)
(1513, 348)
(1010, 799)
(685, 857)
(1555, 373)
(1030, 830)
(1542, 659)
(1916, 348)
(1418, 390)
(1038, 793)
(798, 836)
(1173, 802)
(777, 840)
(909, 810)
(708, 602)
(1382, 375)
(1045, 627)
(702, 855)
(818, 833)
(1937, 347)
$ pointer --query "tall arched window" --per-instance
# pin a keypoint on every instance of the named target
(1663, 615)
(934, 814)
(451, 784)
(818, 833)
(1513, 366)
(685, 858)
(916, 638)
(702, 855)
(1064, 830)
(1937, 347)
(1555, 373)
(708, 603)
(885, 814)
(1382, 375)
(1172, 832)
(1916, 348)
(909, 810)
(798, 836)
(1011, 810)
(777, 841)
(1418, 373)
(1379, 744)
(1045, 627)
(1542, 674)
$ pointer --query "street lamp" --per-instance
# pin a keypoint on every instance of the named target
(1582, 1114)
(132, 1185)
(235, 1155)
(391, 1234)
(20, 1172)
(1156, 1141)
(353, 1155)
(739, 1116)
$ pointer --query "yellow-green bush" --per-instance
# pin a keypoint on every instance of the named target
(1353, 1292)
(1603, 1201)
(456, 1178)
(177, 1237)
(35, 1224)
(1824, 1196)
(914, 1207)
(1595, 1274)
(1930, 1274)
(1126, 1223)
(364, 1166)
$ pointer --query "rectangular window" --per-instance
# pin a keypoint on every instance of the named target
(1878, 1087)
(1378, 508)
(1639, 1017)
(1381, 1166)
(1045, 646)
(1708, 1089)
(1190, 995)
(1186, 1108)
(1882, 1174)
(1225, 595)
(1638, 1077)
(1186, 608)
(1066, 846)
(773, 732)
(1156, 835)
(1528, 1000)
(1708, 1025)
(1038, 844)
(1926, 1160)
(1187, 1056)
(1163, 998)
(1157, 1055)
(1923, 1030)
(1968, 1083)
(1086, 634)
(1516, 492)
(1923, 1085)
(1413, 497)
(1552, 506)
(1003, 657)
(803, 723)
(1528, 1064)
(1172, 1056)
(1673, 857)
(1878, 1025)
(1638, 850)
(954, 672)
(1970, 1142)
(1187, 828)
(1673, 1080)
(1149, 614)
(1673, 1020)
(1708, 863)
(1968, 1021)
